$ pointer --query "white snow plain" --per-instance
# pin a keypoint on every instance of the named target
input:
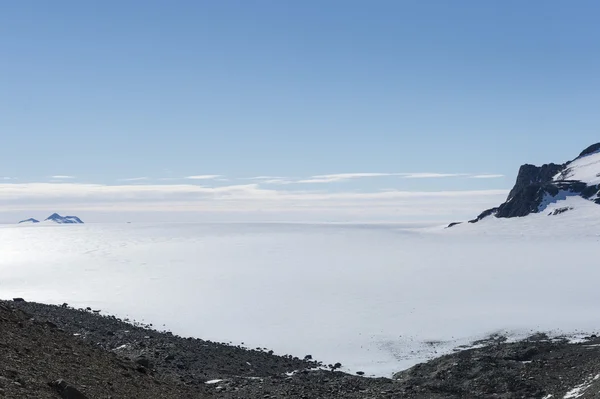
(377, 298)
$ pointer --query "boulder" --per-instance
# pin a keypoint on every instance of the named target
(67, 391)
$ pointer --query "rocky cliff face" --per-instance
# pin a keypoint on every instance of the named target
(531, 174)
(537, 186)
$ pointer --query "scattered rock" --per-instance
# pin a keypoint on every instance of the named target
(560, 210)
(533, 368)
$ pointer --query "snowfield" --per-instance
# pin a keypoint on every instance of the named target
(584, 169)
(377, 298)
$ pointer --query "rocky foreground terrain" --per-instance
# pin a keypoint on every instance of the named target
(59, 352)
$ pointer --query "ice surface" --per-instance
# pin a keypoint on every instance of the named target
(375, 298)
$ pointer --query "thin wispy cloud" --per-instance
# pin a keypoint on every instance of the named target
(486, 176)
(251, 199)
(430, 175)
(202, 177)
(264, 178)
(340, 177)
(135, 179)
(19, 193)
(62, 177)
(277, 181)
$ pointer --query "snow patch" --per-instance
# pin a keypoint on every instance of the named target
(579, 390)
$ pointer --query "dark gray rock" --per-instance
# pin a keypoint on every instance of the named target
(484, 214)
(531, 174)
(590, 150)
(67, 391)
(143, 361)
(529, 199)
(560, 210)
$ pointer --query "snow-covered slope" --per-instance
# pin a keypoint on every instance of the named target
(375, 298)
(585, 169)
(56, 218)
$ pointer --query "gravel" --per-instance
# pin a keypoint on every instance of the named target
(51, 351)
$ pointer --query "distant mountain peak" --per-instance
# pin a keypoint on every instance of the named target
(539, 186)
(30, 220)
(55, 217)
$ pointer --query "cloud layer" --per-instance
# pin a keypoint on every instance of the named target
(202, 177)
(341, 177)
(26, 198)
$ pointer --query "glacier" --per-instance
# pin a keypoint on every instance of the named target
(377, 298)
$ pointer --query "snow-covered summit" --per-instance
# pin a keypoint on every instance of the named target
(537, 187)
(56, 218)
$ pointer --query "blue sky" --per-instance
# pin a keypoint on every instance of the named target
(409, 90)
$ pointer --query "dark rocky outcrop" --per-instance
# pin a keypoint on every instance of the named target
(484, 214)
(537, 367)
(530, 198)
(536, 186)
(531, 174)
(560, 210)
(590, 150)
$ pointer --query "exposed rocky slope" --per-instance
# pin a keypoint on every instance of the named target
(35, 354)
(103, 357)
(537, 186)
